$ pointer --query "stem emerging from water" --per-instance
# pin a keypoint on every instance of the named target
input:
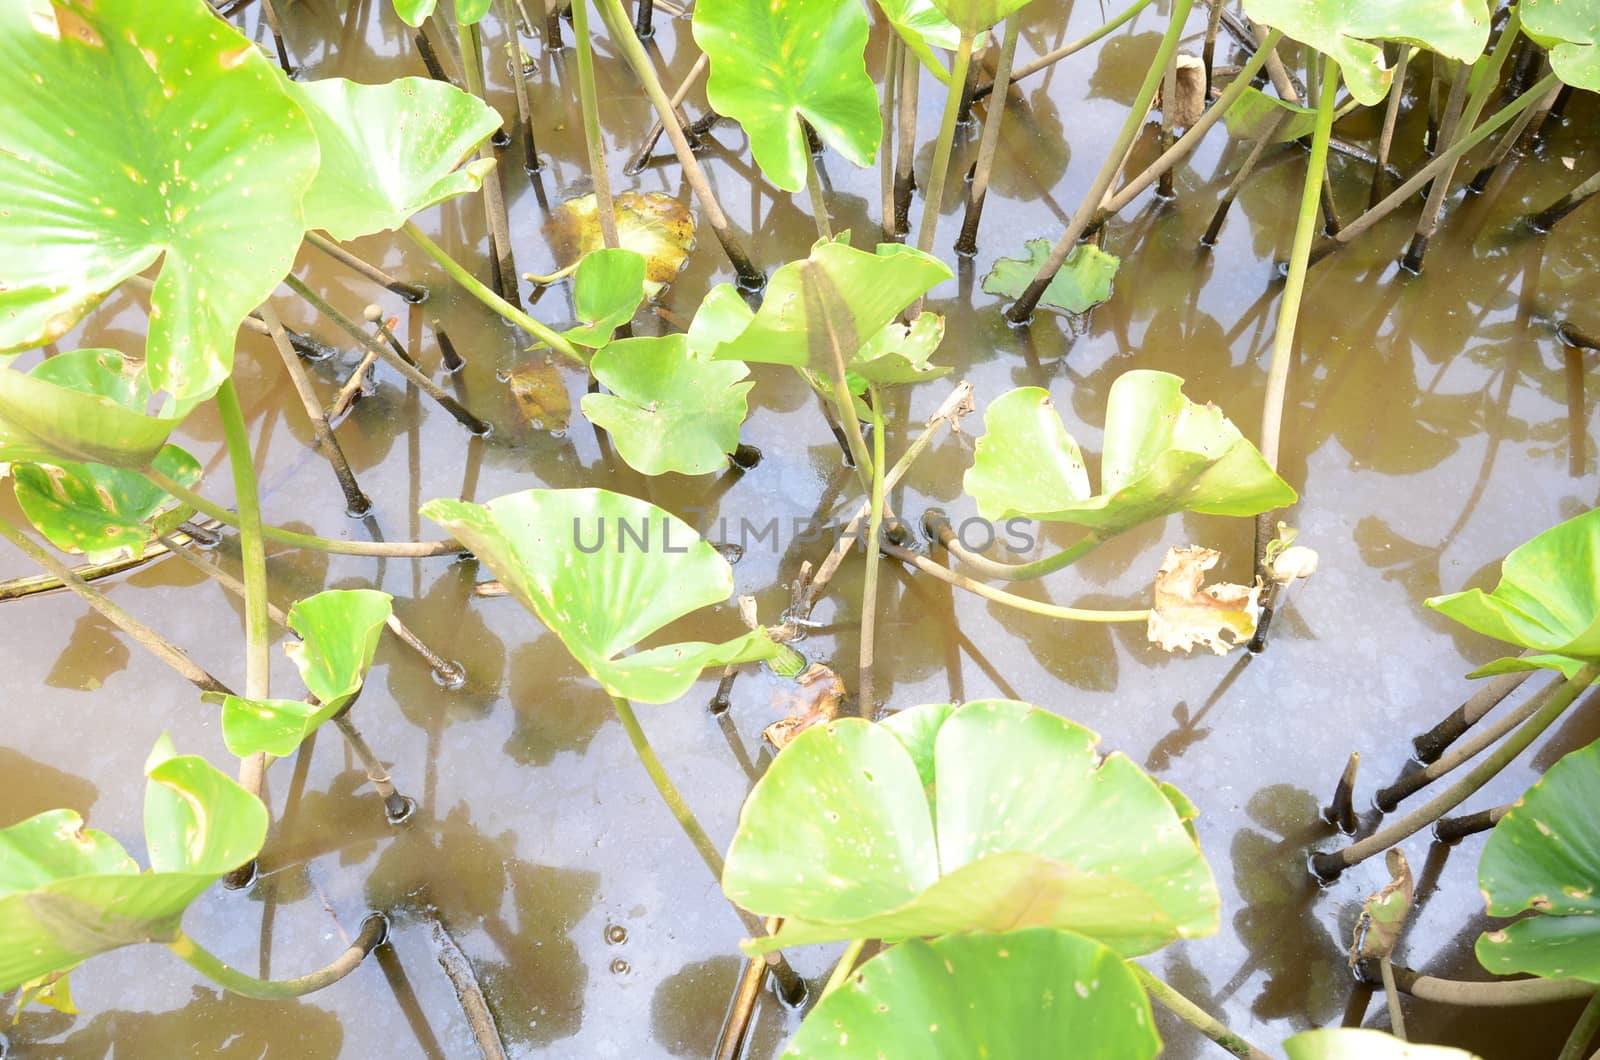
(938, 527)
(819, 201)
(591, 125)
(374, 932)
(967, 241)
(1194, 1015)
(1000, 596)
(869, 582)
(933, 200)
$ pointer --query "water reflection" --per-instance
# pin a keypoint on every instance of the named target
(211, 1024)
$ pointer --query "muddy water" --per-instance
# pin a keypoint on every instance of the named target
(1433, 424)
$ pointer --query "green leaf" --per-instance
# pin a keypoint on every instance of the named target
(83, 406)
(1548, 598)
(1254, 114)
(1544, 855)
(339, 631)
(1345, 30)
(1163, 454)
(100, 511)
(604, 571)
(390, 150)
(869, 291)
(1570, 29)
(1030, 993)
(974, 16)
(990, 816)
(471, 12)
(652, 224)
(67, 894)
(722, 317)
(775, 63)
(1353, 1043)
(273, 726)
(899, 354)
(670, 408)
(414, 12)
(607, 291)
(1083, 282)
(922, 28)
(138, 132)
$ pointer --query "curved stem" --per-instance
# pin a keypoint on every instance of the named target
(842, 970)
(933, 200)
(1021, 603)
(1582, 1031)
(869, 581)
(935, 522)
(1193, 1014)
(374, 932)
(591, 125)
(253, 564)
(478, 290)
(668, 791)
(1504, 993)
(392, 549)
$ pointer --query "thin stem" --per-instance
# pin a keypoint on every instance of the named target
(1021, 603)
(1208, 51)
(1023, 308)
(1391, 995)
(869, 581)
(1193, 1014)
(410, 292)
(1455, 829)
(842, 970)
(938, 527)
(494, 200)
(482, 293)
(967, 241)
(893, 54)
(1234, 185)
(905, 177)
(395, 805)
(1547, 218)
(590, 105)
(933, 200)
(392, 549)
(819, 295)
(374, 932)
(1330, 864)
(641, 157)
(1341, 812)
(1050, 58)
(1588, 1022)
(819, 202)
(1391, 115)
(668, 791)
(146, 637)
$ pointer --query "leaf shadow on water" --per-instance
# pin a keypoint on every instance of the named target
(33, 787)
(90, 655)
(555, 705)
(678, 1007)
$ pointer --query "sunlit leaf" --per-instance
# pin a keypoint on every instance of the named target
(990, 816)
(139, 131)
(339, 631)
(607, 290)
(101, 511)
(1036, 992)
(670, 408)
(604, 571)
(1255, 113)
(775, 63)
(1083, 282)
(722, 317)
(974, 16)
(85, 406)
(922, 28)
(655, 225)
(1570, 29)
(1354, 1043)
(899, 353)
(1187, 613)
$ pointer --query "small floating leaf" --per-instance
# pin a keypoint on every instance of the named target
(773, 64)
(607, 291)
(1036, 992)
(1083, 282)
(670, 408)
(540, 390)
(1187, 612)
(1353, 1043)
(652, 224)
(1383, 914)
(1544, 855)
(100, 511)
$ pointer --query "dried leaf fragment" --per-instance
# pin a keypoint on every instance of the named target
(1189, 101)
(822, 707)
(653, 224)
(1186, 612)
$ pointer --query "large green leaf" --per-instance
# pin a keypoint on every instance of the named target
(1354, 1043)
(67, 894)
(606, 290)
(604, 571)
(82, 406)
(99, 510)
(1548, 599)
(922, 28)
(1163, 454)
(1036, 992)
(670, 408)
(390, 150)
(775, 63)
(990, 816)
(1083, 281)
(1345, 30)
(974, 16)
(867, 292)
(134, 131)
(1544, 855)
(1570, 29)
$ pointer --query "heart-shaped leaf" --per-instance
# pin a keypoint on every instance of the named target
(670, 408)
(652, 224)
(1570, 29)
(390, 150)
(1354, 1043)
(100, 511)
(1034, 992)
(85, 406)
(1544, 855)
(139, 131)
(1346, 29)
(1083, 282)
(972, 17)
(1547, 601)
(1163, 454)
(604, 571)
(989, 816)
(773, 64)
(867, 292)
(67, 894)
(607, 290)
(923, 29)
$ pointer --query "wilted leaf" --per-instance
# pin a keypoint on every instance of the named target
(1383, 914)
(822, 691)
(1189, 102)
(540, 391)
(52, 991)
(652, 224)
(1186, 612)
(1083, 282)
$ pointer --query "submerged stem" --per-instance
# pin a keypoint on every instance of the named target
(1193, 1014)
(374, 932)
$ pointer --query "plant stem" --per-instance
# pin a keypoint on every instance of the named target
(146, 637)
(1391, 997)
(622, 36)
(1330, 864)
(905, 176)
(410, 292)
(1023, 308)
(1193, 1014)
(1065, 50)
(393, 549)
(494, 200)
(1547, 218)
(1503, 993)
(1341, 812)
(819, 202)
(1391, 115)
(465, 984)
(396, 807)
(869, 581)
(641, 157)
(893, 54)
(967, 241)
(842, 343)
(842, 970)
(937, 526)
(933, 199)
(1021, 603)
(1455, 829)
(1245, 169)
(1490, 694)
(374, 932)
(590, 105)
(482, 293)
(1588, 1022)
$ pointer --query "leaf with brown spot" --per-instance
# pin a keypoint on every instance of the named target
(653, 224)
(540, 392)
(1187, 612)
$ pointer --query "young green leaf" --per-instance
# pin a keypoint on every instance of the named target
(414, 12)
(989, 816)
(84, 406)
(972, 17)
(1034, 992)
(1163, 454)
(652, 224)
(604, 571)
(607, 290)
(775, 63)
(339, 631)
(1354, 1043)
(390, 150)
(191, 153)
(922, 27)
(101, 511)
(1544, 855)
(1083, 282)
(722, 317)
(267, 726)
(1570, 29)
(670, 408)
